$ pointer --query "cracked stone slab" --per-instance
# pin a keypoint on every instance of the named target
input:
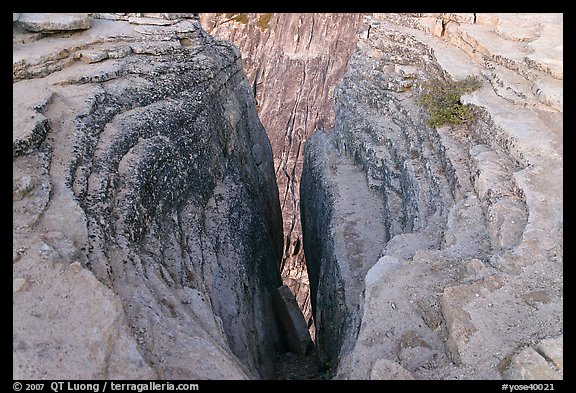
(151, 21)
(30, 126)
(553, 350)
(530, 365)
(47, 23)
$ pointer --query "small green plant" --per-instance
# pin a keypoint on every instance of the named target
(441, 100)
(263, 21)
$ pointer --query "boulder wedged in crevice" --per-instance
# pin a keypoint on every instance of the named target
(292, 321)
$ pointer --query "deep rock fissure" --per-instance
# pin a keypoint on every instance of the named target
(294, 62)
(154, 210)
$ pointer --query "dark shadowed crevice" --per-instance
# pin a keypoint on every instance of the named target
(293, 64)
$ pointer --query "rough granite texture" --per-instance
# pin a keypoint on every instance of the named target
(147, 231)
(445, 259)
(147, 224)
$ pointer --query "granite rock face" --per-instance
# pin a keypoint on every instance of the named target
(294, 62)
(436, 253)
(147, 225)
(147, 229)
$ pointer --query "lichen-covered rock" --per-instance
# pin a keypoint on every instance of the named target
(147, 226)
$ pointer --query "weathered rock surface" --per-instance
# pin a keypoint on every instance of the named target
(553, 350)
(529, 364)
(49, 23)
(461, 265)
(389, 370)
(293, 62)
(349, 222)
(147, 230)
(73, 328)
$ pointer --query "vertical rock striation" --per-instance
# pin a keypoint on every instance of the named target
(437, 253)
(294, 62)
(147, 225)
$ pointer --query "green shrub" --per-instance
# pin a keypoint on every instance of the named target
(441, 100)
